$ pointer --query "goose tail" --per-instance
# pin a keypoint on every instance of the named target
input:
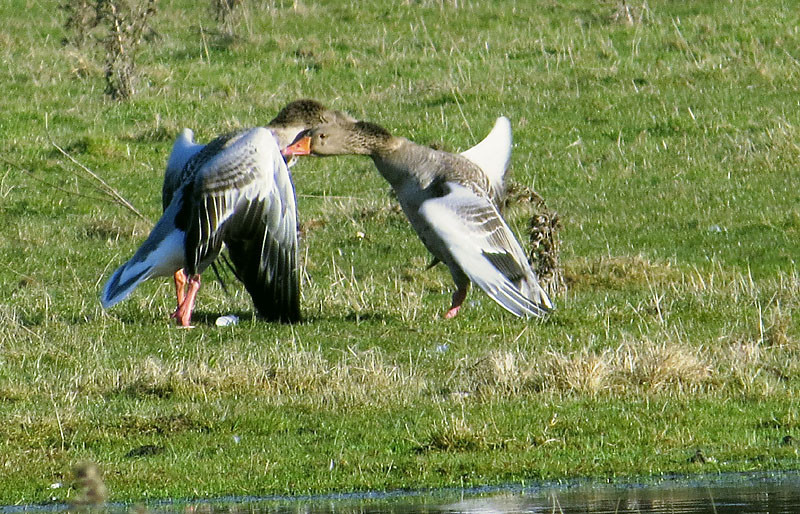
(124, 280)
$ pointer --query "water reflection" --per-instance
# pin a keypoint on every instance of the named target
(763, 494)
(721, 494)
(752, 498)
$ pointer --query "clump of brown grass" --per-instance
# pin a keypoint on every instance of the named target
(759, 365)
(455, 434)
(662, 366)
(584, 372)
(542, 230)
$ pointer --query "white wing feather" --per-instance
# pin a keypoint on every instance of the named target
(493, 154)
(481, 244)
(183, 149)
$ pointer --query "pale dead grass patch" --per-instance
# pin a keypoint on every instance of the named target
(663, 366)
(758, 366)
(279, 375)
(632, 368)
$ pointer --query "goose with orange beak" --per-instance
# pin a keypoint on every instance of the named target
(452, 203)
(235, 192)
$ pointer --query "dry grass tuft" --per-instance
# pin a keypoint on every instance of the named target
(757, 365)
(662, 366)
(278, 375)
(455, 434)
(542, 229)
(582, 372)
(633, 368)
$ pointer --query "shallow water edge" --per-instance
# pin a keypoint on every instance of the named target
(670, 493)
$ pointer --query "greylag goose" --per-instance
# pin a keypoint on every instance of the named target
(450, 201)
(235, 191)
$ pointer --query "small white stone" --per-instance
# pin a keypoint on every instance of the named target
(56, 485)
(224, 321)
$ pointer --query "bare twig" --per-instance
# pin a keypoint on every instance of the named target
(55, 186)
(104, 187)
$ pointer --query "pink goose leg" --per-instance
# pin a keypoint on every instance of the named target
(180, 289)
(184, 312)
(458, 298)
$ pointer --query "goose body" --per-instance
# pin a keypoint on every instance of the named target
(235, 191)
(452, 203)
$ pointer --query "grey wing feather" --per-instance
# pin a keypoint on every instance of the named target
(244, 198)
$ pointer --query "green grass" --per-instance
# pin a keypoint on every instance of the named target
(666, 140)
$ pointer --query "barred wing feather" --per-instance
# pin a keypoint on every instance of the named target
(484, 247)
(244, 198)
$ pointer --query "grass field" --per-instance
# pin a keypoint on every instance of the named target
(665, 134)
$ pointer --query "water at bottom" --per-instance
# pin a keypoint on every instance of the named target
(763, 494)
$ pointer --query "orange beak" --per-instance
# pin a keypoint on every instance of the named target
(300, 147)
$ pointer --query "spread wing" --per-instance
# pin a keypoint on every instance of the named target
(493, 154)
(183, 149)
(483, 246)
(243, 196)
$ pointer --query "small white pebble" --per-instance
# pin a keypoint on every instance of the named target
(224, 321)
(56, 485)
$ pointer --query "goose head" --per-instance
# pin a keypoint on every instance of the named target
(348, 138)
(301, 115)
